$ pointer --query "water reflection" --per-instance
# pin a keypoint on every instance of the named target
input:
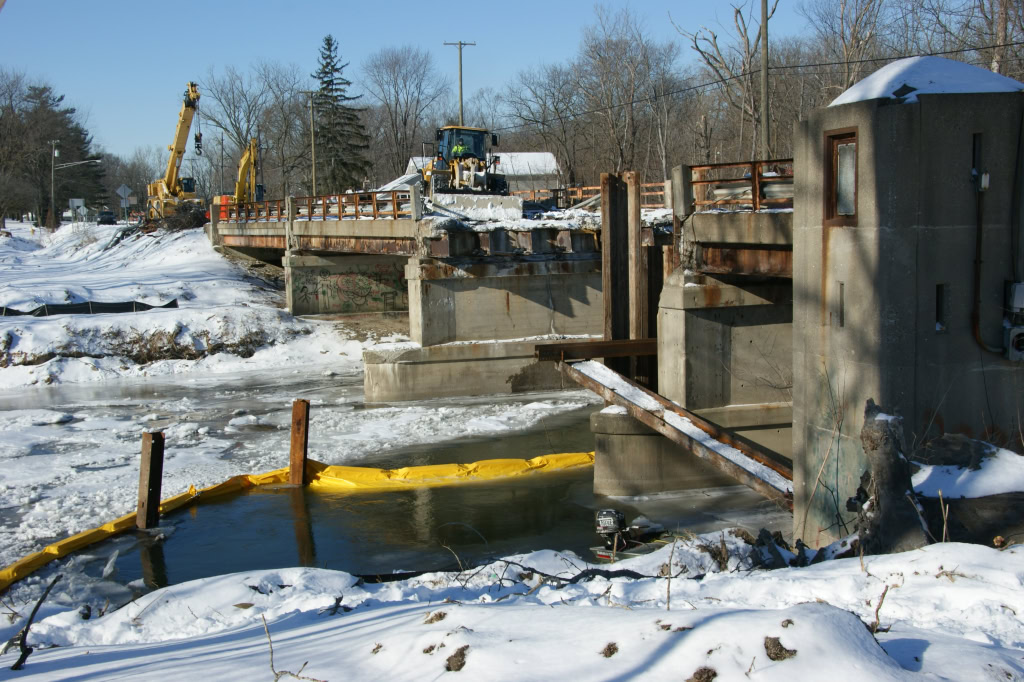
(369, 533)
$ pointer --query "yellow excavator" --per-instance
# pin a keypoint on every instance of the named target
(172, 195)
(246, 187)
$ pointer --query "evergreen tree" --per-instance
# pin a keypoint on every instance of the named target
(31, 116)
(341, 139)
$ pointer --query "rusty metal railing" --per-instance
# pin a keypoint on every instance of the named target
(755, 185)
(652, 194)
(253, 211)
(391, 204)
(373, 205)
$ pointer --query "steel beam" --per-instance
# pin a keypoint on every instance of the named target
(746, 453)
(598, 348)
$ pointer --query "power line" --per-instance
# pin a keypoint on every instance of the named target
(889, 59)
(745, 74)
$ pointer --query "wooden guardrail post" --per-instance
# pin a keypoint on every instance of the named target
(416, 204)
(299, 443)
(151, 470)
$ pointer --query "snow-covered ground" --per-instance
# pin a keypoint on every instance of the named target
(70, 426)
(220, 307)
(69, 430)
(947, 612)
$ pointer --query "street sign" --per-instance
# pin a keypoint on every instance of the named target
(125, 203)
(123, 191)
(75, 203)
(132, 201)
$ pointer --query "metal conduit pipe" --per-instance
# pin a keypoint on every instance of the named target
(1017, 249)
(979, 191)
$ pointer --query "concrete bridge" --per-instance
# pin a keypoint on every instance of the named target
(377, 252)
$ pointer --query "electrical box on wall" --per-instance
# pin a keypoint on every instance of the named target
(1015, 343)
(1016, 297)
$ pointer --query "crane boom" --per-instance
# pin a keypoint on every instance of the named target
(177, 147)
(166, 193)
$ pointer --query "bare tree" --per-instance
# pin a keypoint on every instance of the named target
(404, 86)
(234, 102)
(734, 66)
(848, 31)
(284, 127)
(549, 102)
(614, 71)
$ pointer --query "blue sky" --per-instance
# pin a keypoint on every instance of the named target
(124, 63)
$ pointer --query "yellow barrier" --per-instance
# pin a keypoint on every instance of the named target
(323, 478)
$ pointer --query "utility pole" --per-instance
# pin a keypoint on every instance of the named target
(51, 221)
(222, 163)
(259, 163)
(764, 80)
(460, 45)
(312, 135)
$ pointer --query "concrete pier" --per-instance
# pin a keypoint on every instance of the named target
(630, 458)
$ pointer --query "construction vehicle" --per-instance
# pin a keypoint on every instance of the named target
(172, 196)
(246, 187)
(461, 179)
(462, 164)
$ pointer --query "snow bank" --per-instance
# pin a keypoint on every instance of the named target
(1002, 472)
(926, 76)
(949, 612)
(227, 319)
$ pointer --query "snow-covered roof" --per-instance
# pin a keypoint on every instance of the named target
(908, 78)
(404, 182)
(512, 163)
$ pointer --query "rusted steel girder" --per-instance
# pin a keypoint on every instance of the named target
(254, 241)
(732, 260)
(598, 348)
(370, 245)
(659, 420)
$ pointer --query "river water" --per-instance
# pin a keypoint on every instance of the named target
(216, 424)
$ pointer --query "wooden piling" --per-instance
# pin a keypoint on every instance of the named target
(615, 264)
(299, 443)
(151, 470)
(640, 313)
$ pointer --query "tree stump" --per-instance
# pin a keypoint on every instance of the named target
(888, 514)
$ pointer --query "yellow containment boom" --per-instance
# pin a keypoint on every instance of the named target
(323, 478)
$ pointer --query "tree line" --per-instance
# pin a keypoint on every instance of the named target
(624, 101)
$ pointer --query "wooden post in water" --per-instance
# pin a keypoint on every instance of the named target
(615, 264)
(151, 470)
(300, 443)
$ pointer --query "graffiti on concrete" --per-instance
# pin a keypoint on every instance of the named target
(362, 287)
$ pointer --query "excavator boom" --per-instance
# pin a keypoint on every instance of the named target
(246, 182)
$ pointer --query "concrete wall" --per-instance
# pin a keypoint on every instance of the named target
(864, 295)
(345, 284)
(457, 370)
(632, 459)
(503, 300)
(724, 344)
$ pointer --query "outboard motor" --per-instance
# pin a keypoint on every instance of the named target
(611, 526)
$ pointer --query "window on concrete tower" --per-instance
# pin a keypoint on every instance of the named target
(841, 177)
